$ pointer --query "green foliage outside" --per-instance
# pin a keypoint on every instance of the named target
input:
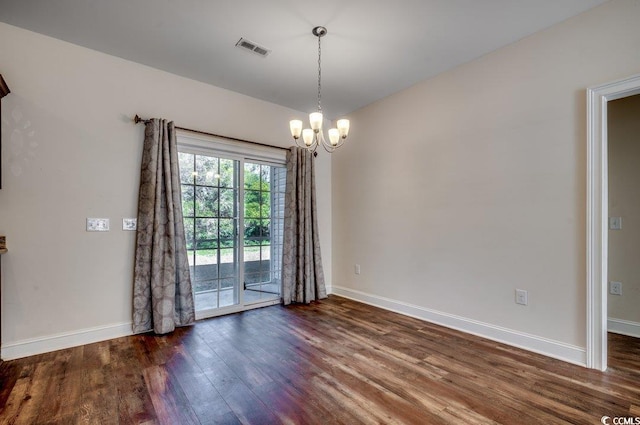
(257, 204)
(209, 202)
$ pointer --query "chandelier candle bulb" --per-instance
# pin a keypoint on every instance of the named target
(315, 120)
(343, 127)
(334, 136)
(307, 136)
(296, 128)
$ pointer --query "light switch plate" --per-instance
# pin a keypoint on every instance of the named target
(129, 224)
(97, 224)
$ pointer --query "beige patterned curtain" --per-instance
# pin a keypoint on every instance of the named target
(302, 275)
(162, 296)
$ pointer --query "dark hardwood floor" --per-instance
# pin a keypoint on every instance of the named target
(336, 361)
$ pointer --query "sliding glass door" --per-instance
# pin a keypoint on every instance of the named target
(232, 270)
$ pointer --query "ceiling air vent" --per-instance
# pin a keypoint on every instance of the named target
(243, 43)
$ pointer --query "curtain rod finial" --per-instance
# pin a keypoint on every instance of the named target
(137, 119)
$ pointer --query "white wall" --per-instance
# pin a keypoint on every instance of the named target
(455, 192)
(70, 151)
(624, 201)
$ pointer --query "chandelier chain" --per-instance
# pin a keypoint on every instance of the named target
(319, 74)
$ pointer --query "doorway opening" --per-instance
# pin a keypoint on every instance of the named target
(623, 158)
(598, 214)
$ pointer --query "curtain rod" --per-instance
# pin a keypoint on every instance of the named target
(137, 119)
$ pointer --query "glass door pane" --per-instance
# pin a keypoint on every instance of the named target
(264, 187)
(210, 211)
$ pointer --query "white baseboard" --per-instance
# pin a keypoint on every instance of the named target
(32, 346)
(623, 327)
(555, 349)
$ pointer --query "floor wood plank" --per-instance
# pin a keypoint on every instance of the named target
(332, 362)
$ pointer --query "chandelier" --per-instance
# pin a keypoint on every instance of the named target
(314, 136)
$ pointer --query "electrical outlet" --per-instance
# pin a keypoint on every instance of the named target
(356, 269)
(615, 288)
(522, 297)
(615, 223)
(97, 224)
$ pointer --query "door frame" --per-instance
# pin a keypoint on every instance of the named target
(597, 213)
(210, 145)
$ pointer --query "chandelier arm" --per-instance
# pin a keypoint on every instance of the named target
(320, 137)
(331, 148)
(340, 143)
(303, 146)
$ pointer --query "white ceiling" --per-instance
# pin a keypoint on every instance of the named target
(373, 47)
